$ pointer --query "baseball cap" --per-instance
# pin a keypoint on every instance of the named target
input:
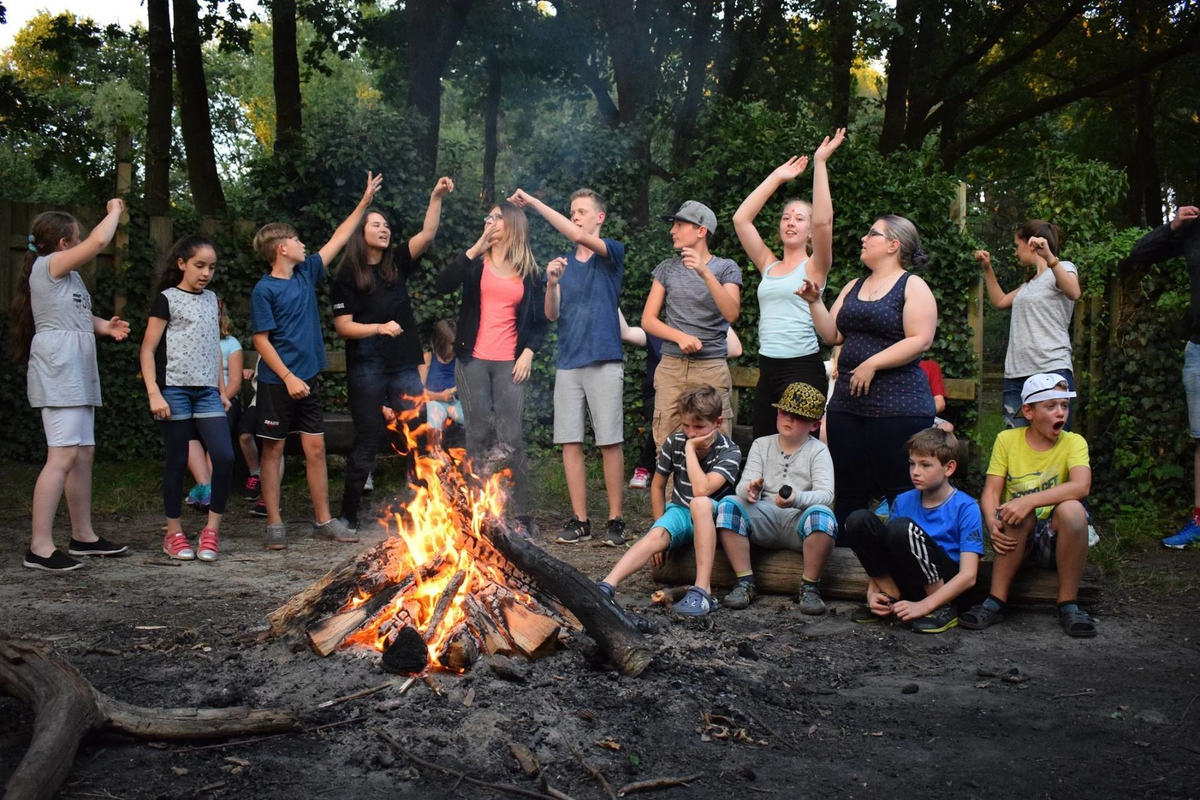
(695, 213)
(1041, 387)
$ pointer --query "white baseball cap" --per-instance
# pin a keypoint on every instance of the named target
(1042, 387)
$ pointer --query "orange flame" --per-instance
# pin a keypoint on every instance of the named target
(429, 534)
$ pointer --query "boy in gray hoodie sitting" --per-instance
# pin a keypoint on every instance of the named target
(784, 497)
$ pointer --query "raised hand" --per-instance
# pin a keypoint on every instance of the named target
(443, 187)
(825, 150)
(374, 182)
(790, 169)
(1185, 215)
(554, 271)
(520, 198)
(1040, 247)
(115, 206)
(984, 258)
(809, 292)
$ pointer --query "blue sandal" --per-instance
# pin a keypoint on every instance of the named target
(696, 603)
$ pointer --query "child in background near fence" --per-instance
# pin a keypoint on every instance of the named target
(704, 464)
(287, 335)
(199, 462)
(634, 335)
(937, 386)
(248, 442)
(920, 560)
(181, 366)
(442, 406)
(783, 500)
(54, 329)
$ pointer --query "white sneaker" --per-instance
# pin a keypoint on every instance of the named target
(640, 479)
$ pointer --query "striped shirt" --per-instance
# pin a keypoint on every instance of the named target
(723, 458)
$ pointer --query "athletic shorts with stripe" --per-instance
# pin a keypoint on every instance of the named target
(900, 549)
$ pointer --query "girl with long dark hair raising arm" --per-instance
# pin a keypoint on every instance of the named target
(373, 312)
(788, 350)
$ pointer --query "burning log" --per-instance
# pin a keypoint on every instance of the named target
(67, 707)
(602, 619)
(443, 604)
(534, 635)
(486, 628)
(460, 651)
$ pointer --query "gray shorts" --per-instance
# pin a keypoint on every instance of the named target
(1191, 385)
(597, 389)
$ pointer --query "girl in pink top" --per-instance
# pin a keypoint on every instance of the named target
(501, 324)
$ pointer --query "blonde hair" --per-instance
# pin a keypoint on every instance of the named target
(515, 244)
(269, 236)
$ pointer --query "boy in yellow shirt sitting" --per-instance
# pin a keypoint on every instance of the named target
(1033, 503)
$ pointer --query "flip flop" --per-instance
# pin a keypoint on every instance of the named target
(696, 603)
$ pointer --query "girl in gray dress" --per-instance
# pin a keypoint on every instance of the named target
(55, 331)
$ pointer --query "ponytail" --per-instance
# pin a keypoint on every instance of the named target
(48, 230)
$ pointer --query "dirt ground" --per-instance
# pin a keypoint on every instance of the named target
(813, 707)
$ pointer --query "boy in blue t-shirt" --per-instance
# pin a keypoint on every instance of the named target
(928, 553)
(287, 336)
(582, 289)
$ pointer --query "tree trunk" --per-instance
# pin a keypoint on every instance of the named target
(842, 58)
(899, 72)
(491, 129)
(286, 61)
(433, 29)
(696, 54)
(159, 104)
(193, 111)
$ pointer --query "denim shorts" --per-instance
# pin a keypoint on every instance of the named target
(1191, 385)
(677, 522)
(1013, 418)
(193, 402)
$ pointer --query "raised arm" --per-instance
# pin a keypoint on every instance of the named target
(727, 296)
(554, 273)
(1066, 281)
(563, 225)
(821, 224)
(64, 261)
(420, 242)
(349, 225)
(996, 295)
(1162, 242)
(743, 218)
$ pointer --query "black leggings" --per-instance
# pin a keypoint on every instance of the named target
(869, 459)
(775, 375)
(214, 433)
(898, 549)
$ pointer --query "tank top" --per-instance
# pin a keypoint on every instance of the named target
(499, 302)
(785, 326)
(870, 327)
(440, 376)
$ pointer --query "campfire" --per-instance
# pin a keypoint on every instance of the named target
(452, 581)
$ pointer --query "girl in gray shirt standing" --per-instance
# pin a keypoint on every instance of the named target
(55, 331)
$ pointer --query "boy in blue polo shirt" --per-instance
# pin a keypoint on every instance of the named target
(581, 295)
(928, 553)
(287, 336)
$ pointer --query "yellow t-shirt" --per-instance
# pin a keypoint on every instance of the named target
(1026, 471)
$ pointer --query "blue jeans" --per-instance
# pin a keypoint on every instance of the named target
(1013, 418)
(369, 387)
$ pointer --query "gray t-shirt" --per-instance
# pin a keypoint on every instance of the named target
(690, 307)
(1039, 334)
(808, 470)
(62, 358)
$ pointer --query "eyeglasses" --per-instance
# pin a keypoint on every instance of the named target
(878, 233)
(492, 218)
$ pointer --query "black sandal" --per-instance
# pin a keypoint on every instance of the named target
(1075, 622)
(980, 616)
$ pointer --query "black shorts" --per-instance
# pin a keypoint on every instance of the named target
(280, 415)
(249, 424)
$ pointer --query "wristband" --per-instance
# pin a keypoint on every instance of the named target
(1055, 264)
(285, 377)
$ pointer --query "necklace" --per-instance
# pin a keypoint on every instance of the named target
(874, 293)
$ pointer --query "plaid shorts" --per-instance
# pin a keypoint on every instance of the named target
(1041, 546)
(815, 519)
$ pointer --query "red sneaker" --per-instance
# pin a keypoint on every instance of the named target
(176, 545)
(210, 540)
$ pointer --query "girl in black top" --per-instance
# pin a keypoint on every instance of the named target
(373, 313)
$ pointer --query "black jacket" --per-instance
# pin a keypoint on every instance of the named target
(468, 273)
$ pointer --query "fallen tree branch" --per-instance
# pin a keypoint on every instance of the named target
(257, 739)
(67, 707)
(595, 773)
(461, 776)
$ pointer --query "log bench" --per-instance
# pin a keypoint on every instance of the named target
(779, 572)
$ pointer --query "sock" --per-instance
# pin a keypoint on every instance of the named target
(745, 577)
(1068, 605)
(809, 581)
(255, 472)
(994, 603)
